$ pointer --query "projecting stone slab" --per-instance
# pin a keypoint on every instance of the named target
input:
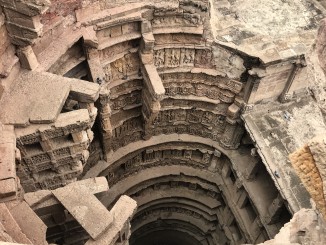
(92, 185)
(35, 198)
(8, 188)
(153, 81)
(11, 226)
(122, 211)
(35, 97)
(88, 210)
(27, 221)
(84, 91)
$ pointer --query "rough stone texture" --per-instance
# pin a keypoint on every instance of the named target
(320, 44)
(88, 211)
(244, 25)
(21, 212)
(305, 228)
(32, 88)
(59, 135)
(122, 212)
(25, 32)
(65, 209)
(309, 163)
(60, 8)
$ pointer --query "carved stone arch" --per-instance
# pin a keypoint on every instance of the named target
(204, 200)
(179, 225)
(136, 179)
(232, 169)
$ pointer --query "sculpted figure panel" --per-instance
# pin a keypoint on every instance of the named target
(121, 68)
(204, 58)
(174, 57)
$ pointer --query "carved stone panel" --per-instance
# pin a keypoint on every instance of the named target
(123, 67)
(204, 58)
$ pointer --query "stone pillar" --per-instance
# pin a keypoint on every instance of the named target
(104, 116)
(252, 86)
(95, 67)
(285, 95)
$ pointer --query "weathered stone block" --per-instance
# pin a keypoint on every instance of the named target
(146, 27)
(23, 20)
(7, 160)
(11, 226)
(8, 187)
(88, 211)
(21, 213)
(32, 8)
(122, 212)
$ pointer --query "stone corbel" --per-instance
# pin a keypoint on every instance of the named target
(147, 42)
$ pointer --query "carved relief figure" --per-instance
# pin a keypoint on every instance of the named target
(159, 58)
(172, 57)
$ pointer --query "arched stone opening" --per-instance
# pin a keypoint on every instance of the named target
(146, 169)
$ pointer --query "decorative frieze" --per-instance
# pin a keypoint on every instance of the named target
(174, 57)
(200, 90)
(203, 78)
